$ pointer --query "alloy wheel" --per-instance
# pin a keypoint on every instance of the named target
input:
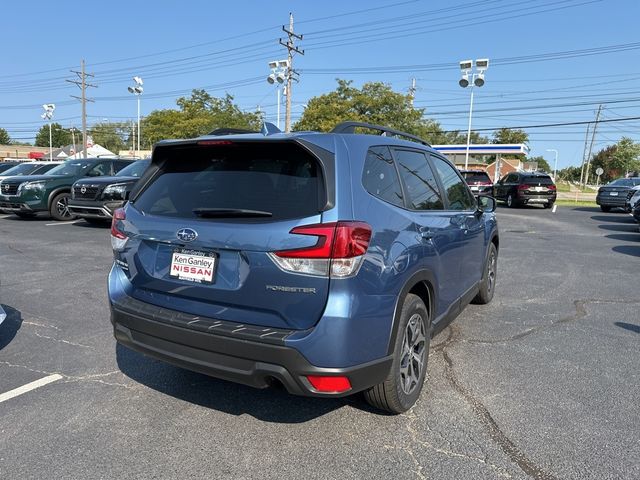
(62, 207)
(412, 360)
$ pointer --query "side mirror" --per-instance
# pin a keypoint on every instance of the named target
(486, 204)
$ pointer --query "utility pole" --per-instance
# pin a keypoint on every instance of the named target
(291, 49)
(82, 84)
(412, 91)
(584, 153)
(593, 137)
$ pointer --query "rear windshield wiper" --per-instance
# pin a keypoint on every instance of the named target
(229, 212)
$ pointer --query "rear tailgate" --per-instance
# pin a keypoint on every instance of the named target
(185, 253)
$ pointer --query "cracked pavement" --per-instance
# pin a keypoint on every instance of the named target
(542, 383)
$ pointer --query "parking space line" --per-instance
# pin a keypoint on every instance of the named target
(5, 216)
(61, 223)
(29, 386)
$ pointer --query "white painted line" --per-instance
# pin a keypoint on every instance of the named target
(29, 386)
(61, 223)
(5, 216)
(553, 210)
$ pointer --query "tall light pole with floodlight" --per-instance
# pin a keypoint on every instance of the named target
(471, 78)
(137, 91)
(47, 115)
(555, 164)
(279, 69)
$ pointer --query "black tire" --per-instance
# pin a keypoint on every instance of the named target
(401, 389)
(548, 205)
(488, 282)
(604, 208)
(25, 215)
(510, 201)
(59, 207)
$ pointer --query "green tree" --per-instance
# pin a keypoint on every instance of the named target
(569, 174)
(110, 135)
(604, 159)
(59, 136)
(542, 163)
(196, 115)
(5, 138)
(626, 157)
(507, 135)
(374, 103)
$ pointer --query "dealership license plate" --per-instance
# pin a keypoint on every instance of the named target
(614, 194)
(538, 189)
(193, 265)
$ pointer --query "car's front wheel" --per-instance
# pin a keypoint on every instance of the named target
(59, 209)
(402, 387)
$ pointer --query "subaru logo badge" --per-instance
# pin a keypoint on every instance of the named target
(187, 234)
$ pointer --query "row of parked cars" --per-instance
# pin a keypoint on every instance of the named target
(89, 188)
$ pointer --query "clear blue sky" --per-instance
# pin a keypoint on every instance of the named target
(225, 47)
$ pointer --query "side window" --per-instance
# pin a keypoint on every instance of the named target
(379, 176)
(419, 181)
(119, 165)
(455, 188)
(100, 170)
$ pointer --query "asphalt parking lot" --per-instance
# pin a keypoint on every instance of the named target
(542, 383)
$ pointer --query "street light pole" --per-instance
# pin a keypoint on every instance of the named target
(278, 75)
(47, 115)
(555, 164)
(137, 91)
(472, 79)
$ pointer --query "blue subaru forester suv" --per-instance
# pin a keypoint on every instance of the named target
(324, 262)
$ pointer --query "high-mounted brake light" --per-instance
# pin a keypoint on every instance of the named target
(327, 384)
(215, 142)
(118, 237)
(338, 253)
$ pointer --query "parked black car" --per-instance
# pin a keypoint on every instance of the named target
(526, 188)
(7, 165)
(479, 181)
(615, 194)
(95, 199)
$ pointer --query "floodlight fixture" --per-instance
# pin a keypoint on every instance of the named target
(280, 77)
(482, 63)
(138, 80)
(283, 63)
(271, 78)
(466, 65)
(131, 90)
(464, 81)
(478, 81)
(273, 64)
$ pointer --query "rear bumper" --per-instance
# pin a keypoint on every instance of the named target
(253, 356)
(612, 201)
(532, 198)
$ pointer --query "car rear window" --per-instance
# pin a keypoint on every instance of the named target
(280, 178)
(626, 182)
(476, 177)
(538, 179)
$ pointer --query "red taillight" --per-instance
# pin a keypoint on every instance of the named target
(118, 214)
(329, 384)
(214, 142)
(338, 253)
(551, 187)
(335, 240)
(523, 187)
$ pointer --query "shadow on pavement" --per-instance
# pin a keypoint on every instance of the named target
(628, 326)
(585, 209)
(632, 250)
(9, 328)
(96, 226)
(270, 405)
(631, 227)
(613, 218)
(625, 237)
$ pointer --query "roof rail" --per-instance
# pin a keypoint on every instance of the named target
(350, 127)
(231, 131)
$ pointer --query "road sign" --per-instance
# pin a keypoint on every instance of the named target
(599, 171)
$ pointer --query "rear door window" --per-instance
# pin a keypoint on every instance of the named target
(280, 179)
(458, 194)
(420, 183)
(538, 180)
(380, 178)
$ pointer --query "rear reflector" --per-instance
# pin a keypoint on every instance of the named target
(329, 384)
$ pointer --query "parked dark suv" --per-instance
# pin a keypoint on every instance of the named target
(616, 194)
(322, 262)
(95, 199)
(27, 195)
(479, 181)
(526, 188)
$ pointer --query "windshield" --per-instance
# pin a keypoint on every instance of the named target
(136, 169)
(539, 179)
(72, 167)
(6, 166)
(22, 169)
(626, 182)
(42, 169)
